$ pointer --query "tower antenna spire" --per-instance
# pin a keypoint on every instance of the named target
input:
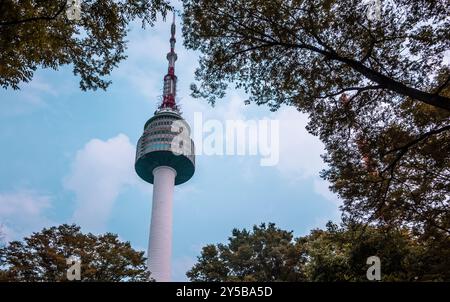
(170, 79)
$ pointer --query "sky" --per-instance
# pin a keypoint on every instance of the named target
(67, 156)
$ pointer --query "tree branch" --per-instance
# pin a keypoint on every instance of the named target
(32, 19)
(389, 83)
(443, 85)
(404, 149)
(419, 139)
(359, 89)
(250, 49)
(382, 80)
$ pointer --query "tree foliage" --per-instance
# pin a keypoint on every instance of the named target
(377, 91)
(390, 166)
(297, 52)
(340, 254)
(38, 33)
(265, 254)
(334, 254)
(43, 255)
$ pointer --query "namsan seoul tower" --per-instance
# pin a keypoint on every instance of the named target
(165, 158)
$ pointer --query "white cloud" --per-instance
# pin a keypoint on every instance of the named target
(321, 188)
(299, 151)
(23, 212)
(100, 171)
(234, 109)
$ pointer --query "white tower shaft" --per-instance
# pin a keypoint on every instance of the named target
(160, 241)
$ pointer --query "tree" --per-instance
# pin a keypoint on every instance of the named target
(39, 34)
(377, 91)
(338, 253)
(264, 254)
(43, 255)
(390, 166)
(298, 52)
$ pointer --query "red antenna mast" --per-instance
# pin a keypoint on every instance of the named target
(170, 79)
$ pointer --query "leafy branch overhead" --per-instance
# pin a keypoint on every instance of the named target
(296, 52)
(377, 91)
(38, 34)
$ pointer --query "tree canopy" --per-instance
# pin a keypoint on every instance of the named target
(43, 257)
(37, 34)
(390, 166)
(377, 91)
(338, 253)
(298, 52)
(266, 253)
